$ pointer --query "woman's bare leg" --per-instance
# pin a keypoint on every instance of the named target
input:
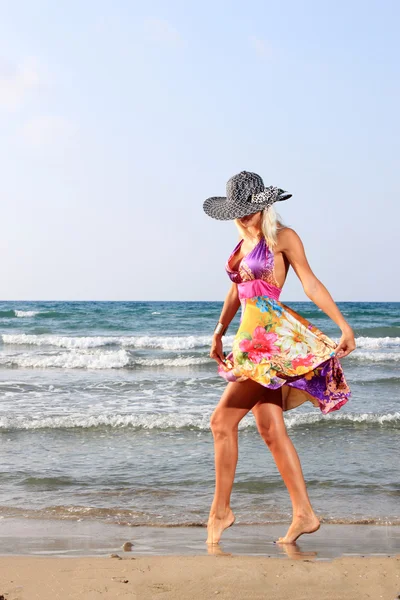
(271, 426)
(236, 401)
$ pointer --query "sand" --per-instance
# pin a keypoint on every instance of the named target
(51, 560)
(199, 577)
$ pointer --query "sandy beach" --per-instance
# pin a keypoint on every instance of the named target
(88, 560)
(199, 577)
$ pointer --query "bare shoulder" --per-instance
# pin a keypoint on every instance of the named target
(288, 239)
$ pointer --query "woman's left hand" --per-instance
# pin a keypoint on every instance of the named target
(347, 344)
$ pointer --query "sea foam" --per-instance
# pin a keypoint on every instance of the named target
(156, 342)
(139, 342)
(26, 313)
(96, 359)
(199, 422)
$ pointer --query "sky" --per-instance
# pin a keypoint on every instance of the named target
(118, 119)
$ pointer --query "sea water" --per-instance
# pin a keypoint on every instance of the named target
(105, 409)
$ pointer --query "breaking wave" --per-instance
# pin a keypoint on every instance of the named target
(198, 422)
(96, 359)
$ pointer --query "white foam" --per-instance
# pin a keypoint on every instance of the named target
(101, 359)
(26, 313)
(139, 421)
(95, 359)
(380, 342)
(139, 342)
(187, 421)
(369, 418)
(155, 342)
(180, 361)
(374, 356)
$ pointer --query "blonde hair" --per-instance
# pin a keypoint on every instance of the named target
(271, 222)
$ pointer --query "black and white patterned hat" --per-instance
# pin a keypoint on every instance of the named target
(245, 195)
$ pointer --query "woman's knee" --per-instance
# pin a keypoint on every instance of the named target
(271, 433)
(236, 401)
(270, 423)
(221, 425)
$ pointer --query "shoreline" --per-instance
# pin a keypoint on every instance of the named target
(56, 538)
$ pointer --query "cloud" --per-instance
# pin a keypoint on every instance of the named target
(17, 82)
(261, 47)
(48, 131)
(161, 31)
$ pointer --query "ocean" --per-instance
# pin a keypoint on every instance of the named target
(105, 408)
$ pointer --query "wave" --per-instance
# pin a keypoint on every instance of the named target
(123, 359)
(140, 342)
(378, 342)
(69, 360)
(196, 422)
(371, 419)
(180, 361)
(106, 485)
(139, 518)
(96, 359)
(390, 380)
(374, 356)
(392, 330)
(26, 313)
(18, 313)
(155, 342)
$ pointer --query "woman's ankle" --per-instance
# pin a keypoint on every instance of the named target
(304, 513)
(220, 512)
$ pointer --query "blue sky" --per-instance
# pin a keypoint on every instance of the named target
(118, 119)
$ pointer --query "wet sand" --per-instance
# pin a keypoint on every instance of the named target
(93, 538)
(68, 560)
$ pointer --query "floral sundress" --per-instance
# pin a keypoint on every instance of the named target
(276, 346)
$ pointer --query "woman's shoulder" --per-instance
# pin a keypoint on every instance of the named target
(286, 237)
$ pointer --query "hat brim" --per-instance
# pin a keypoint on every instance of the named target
(218, 207)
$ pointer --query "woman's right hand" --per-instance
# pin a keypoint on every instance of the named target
(216, 351)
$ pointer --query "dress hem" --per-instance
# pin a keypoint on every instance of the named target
(292, 396)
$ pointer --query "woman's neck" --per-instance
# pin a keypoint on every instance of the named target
(253, 234)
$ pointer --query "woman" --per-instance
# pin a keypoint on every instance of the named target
(278, 359)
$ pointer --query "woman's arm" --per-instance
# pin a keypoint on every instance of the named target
(229, 309)
(291, 244)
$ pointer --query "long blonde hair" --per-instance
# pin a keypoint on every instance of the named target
(271, 222)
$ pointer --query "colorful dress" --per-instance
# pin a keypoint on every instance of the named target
(276, 346)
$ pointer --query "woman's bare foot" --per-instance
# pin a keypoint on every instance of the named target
(300, 525)
(216, 525)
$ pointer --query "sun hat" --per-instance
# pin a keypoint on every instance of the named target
(245, 195)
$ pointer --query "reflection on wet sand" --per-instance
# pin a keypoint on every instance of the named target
(292, 551)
